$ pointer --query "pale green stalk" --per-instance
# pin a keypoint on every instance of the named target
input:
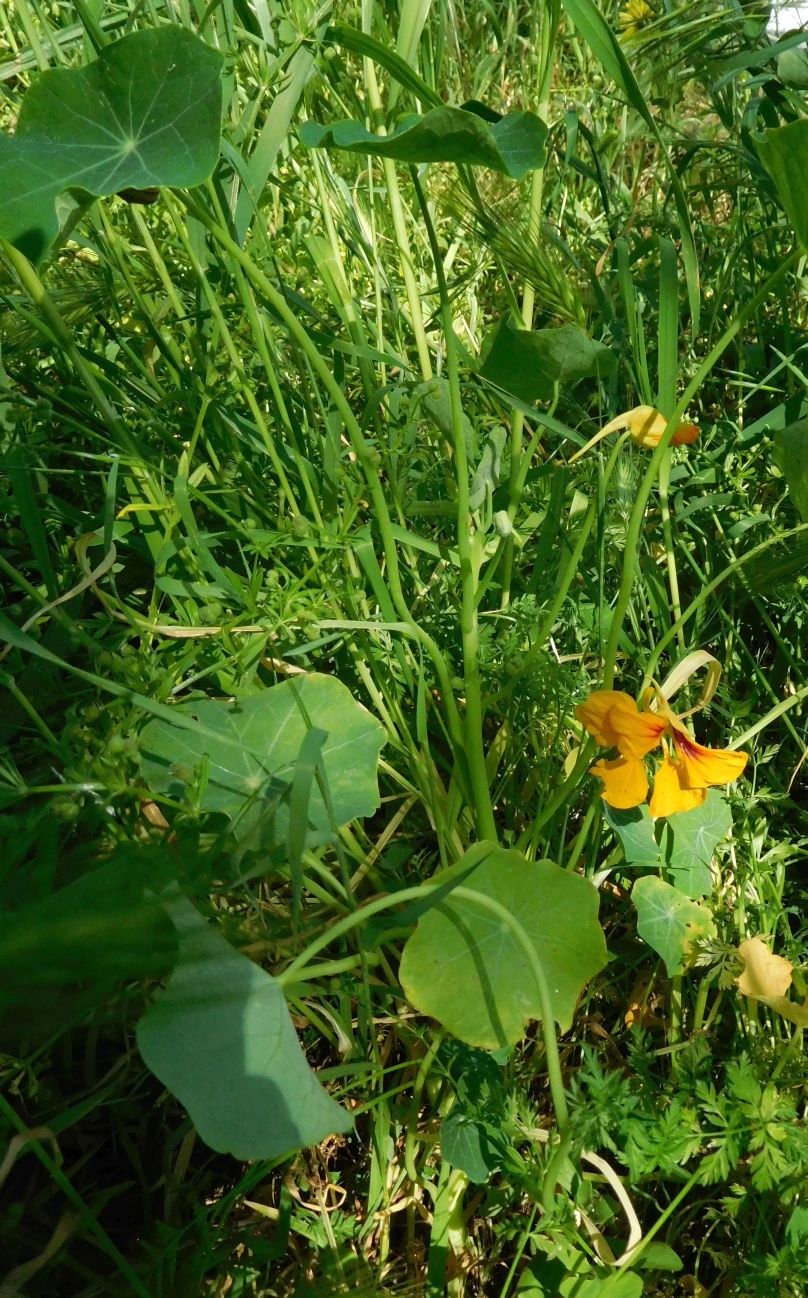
(547, 24)
(470, 553)
(649, 478)
(397, 210)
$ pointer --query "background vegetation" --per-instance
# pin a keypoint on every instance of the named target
(223, 414)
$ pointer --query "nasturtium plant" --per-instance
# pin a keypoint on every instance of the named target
(466, 964)
(221, 1039)
(669, 921)
(513, 145)
(689, 840)
(146, 113)
(784, 153)
(245, 753)
(530, 363)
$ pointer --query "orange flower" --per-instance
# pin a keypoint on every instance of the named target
(645, 425)
(687, 769)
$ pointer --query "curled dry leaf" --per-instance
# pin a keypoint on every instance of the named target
(766, 978)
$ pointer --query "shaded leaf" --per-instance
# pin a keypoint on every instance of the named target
(529, 362)
(669, 921)
(221, 1039)
(791, 455)
(635, 829)
(784, 153)
(474, 1146)
(248, 752)
(689, 840)
(146, 113)
(514, 145)
(465, 966)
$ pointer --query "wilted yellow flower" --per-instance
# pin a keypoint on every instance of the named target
(645, 426)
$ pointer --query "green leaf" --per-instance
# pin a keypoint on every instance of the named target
(791, 456)
(529, 362)
(668, 921)
(473, 1146)
(784, 153)
(250, 765)
(465, 966)
(689, 840)
(658, 1256)
(514, 145)
(635, 829)
(146, 113)
(221, 1039)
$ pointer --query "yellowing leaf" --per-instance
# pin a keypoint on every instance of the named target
(765, 974)
(767, 978)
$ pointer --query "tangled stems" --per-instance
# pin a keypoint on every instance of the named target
(293, 973)
(364, 455)
(652, 472)
(469, 552)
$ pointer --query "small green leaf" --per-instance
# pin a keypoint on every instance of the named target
(513, 145)
(220, 1038)
(146, 113)
(791, 456)
(689, 840)
(473, 1146)
(668, 921)
(635, 829)
(784, 153)
(248, 752)
(529, 362)
(658, 1256)
(465, 965)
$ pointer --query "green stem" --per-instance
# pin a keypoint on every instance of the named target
(38, 293)
(362, 449)
(469, 552)
(667, 534)
(638, 512)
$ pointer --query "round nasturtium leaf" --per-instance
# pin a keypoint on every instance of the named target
(465, 967)
(247, 752)
(146, 113)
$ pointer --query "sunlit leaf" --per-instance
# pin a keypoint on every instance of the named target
(146, 113)
(512, 145)
(247, 751)
(669, 921)
(689, 840)
(791, 454)
(784, 153)
(465, 965)
(528, 363)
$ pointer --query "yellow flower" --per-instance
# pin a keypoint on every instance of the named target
(687, 768)
(636, 14)
(645, 426)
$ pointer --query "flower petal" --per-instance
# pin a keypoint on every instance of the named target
(595, 715)
(685, 435)
(636, 733)
(702, 767)
(625, 781)
(670, 795)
